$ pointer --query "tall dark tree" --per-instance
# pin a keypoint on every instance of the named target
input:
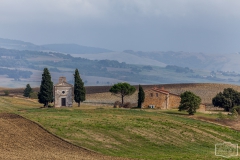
(141, 96)
(189, 102)
(79, 89)
(27, 91)
(122, 89)
(227, 99)
(46, 89)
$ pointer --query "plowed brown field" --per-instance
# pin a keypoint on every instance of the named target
(23, 139)
(101, 94)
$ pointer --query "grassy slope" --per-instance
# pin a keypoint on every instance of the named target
(127, 133)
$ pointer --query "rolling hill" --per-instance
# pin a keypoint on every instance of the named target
(62, 48)
(101, 94)
(21, 138)
(23, 62)
(139, 134)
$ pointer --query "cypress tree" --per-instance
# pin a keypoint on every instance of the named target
(46, 89)
(27, 91)
(141, 96)
(79, 89)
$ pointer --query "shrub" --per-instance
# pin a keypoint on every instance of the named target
(220, 116)
(33, 95)
(127, 105)
(6, 93)
(234, 114)
(237, 108)
(134, 105)
(50, 106)
(117, 104)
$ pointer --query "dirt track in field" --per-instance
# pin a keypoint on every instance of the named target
(23, 139)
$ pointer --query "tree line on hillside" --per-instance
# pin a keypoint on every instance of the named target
(179, 69)
(102, 68)
(15, 73)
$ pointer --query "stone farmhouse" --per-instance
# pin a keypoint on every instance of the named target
(63, 93)
(161, 99)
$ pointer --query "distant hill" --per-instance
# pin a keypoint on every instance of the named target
(74, 48)
(62, 48)
(23, 62)
(200, 61)
(212, 62)
(24, 66)
(122, 57)
(19, 45)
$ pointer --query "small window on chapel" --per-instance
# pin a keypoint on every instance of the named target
(63, 92)
(151, 94)
(156, 94)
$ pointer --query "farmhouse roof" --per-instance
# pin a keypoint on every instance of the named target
(162, 91)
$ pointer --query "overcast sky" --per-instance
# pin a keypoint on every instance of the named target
(211, 26)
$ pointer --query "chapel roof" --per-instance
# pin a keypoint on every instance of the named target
(63, 83)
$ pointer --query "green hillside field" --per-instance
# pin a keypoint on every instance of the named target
(130, 133)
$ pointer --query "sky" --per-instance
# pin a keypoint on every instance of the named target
(208, 26)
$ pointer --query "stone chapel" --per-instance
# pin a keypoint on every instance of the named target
(63, 93)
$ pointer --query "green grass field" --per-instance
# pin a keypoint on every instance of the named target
(132, 133)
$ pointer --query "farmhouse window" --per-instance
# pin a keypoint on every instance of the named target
(151, 94)
(156, 94)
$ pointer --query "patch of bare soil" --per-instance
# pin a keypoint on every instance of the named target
(233, 124)
(23, 139)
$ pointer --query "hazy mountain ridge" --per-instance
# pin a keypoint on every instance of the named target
(122, 57)
(212, 62)
(62, 48)
(74, 48)
(104, 71)
(200, 61)
(111, 67)
(19, 45)
(182, 59)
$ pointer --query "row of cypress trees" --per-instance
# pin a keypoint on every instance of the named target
(45, 95)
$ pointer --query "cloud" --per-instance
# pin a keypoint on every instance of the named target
(108, 9)
(125, 24)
